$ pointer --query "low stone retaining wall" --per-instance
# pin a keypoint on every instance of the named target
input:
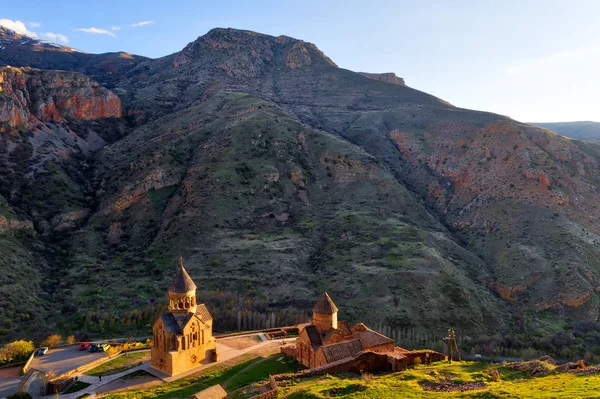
(15, 364)
(423, 355)
(25, 368)
(275, 332)
(272, 393)
(289, 350)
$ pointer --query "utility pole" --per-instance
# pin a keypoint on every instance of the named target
(452, 345)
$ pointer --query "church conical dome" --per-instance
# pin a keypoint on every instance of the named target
(325, 305)
(182, 282)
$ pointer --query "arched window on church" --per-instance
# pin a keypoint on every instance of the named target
(179, 304)
(194, 334)
(160, 339)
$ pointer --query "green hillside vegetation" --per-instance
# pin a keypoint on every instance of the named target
(459, 380)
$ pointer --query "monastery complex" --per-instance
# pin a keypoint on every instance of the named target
(183, 338)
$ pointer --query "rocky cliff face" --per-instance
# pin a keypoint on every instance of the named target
(29, 97)
(387, 77)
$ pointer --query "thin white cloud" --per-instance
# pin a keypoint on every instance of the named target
(17, 26)
(553, 60)
(115, 28)
(34, 25)
(143, 23)
(55, 37)
(97, 31)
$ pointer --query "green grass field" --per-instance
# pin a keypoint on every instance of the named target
(232, 378)
(121, 363)
(409, 384)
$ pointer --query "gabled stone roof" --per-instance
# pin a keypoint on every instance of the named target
(343, 350)
(344, 327)
(370, 338)
(214, 392)
(203, 313)
(325, 305)
(182, 282)
(175, 323)
(313, 335)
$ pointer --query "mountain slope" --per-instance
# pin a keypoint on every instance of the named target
(584, 130)
(489, 179)
(286, 210)
(276, 175)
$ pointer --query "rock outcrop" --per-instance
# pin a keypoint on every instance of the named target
(387, 77)
(245, 54)
(29, 97)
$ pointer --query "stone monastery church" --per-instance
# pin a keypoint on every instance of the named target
(183, 336)
(329, 343)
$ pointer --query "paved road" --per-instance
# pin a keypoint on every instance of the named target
(61, 360)
(9, 381)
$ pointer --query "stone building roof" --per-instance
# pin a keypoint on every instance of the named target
(343, 350)
(175, 323)
(344, 328)
(325, 305)
(182, 282)
(313, 335)
(214, 392)
(203, 313)
(370, 338)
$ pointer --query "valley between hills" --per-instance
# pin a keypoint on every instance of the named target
(277, 175)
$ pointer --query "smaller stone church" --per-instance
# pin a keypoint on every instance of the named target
(183, 336)
(329, 343)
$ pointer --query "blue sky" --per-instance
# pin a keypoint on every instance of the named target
(531, 60)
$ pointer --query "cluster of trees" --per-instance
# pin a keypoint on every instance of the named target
(413, 338)
(579, 340)
(232, 311)
(16, 351)
(103, 322)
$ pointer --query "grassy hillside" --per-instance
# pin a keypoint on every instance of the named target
(463, 380)
(534, 379)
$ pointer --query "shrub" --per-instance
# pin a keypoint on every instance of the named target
(71, 339)
(16, 350)
(417, 362)
(493, 373)
(52, 340)
(114, 349)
